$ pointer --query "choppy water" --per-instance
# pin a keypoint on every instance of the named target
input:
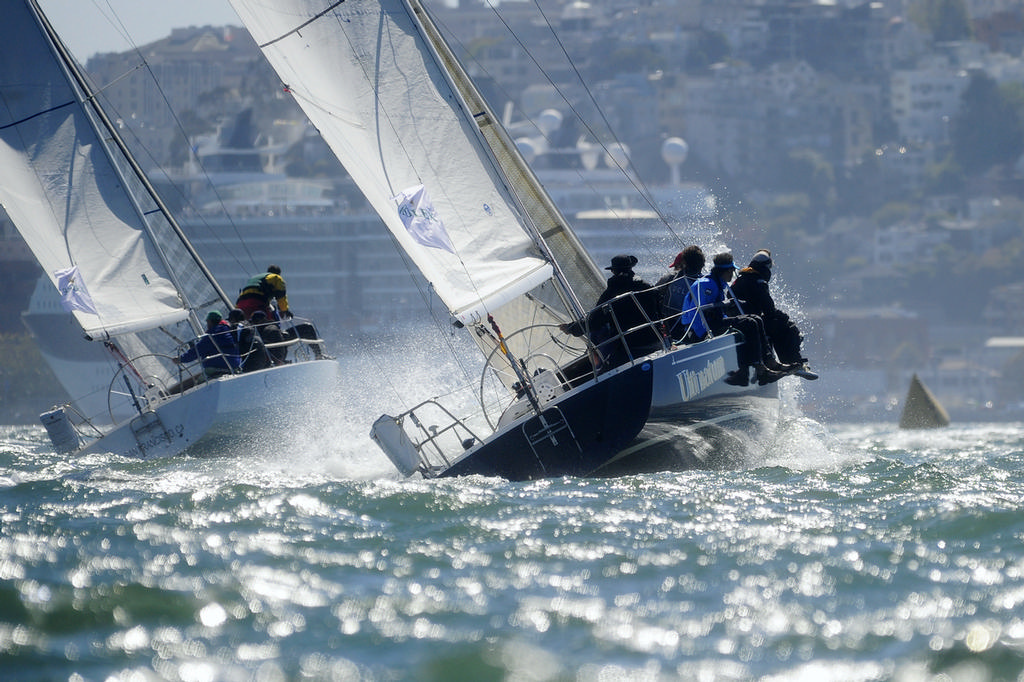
(852, 553)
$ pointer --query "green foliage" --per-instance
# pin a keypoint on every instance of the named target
(988, 131)
(946, 20)
(944, 177)
(809, 171)
(708, 47)
(1013, 93)
(861, 189)
(783, 221)
(893, 212)
(1005, 258)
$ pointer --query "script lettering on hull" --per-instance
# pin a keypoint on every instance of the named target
(693, 383)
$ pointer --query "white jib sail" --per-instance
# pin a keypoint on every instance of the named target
(369, 83)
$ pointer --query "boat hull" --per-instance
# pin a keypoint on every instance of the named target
(599, 420)
(241, 410)
(669, 412)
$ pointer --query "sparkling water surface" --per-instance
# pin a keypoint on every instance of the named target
(849, 552)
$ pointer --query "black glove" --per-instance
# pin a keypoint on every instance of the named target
(289, 314)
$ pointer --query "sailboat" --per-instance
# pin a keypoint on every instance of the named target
(124, 270)
(386, 92)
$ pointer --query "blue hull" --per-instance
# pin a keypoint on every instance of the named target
(670, 411)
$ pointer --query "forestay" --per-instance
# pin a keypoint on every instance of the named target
(388, 96)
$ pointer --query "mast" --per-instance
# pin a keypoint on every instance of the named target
(88, 96)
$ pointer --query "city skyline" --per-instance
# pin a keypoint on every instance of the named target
(91, 26)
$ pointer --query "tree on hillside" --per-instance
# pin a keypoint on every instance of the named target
(988, 131)
(807, 170)
(945, 19)
(628, 59)
(707, 48)
(861, 188)
(944, 177)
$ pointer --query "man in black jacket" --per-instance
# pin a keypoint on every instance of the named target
(613, 315)
(754, 298)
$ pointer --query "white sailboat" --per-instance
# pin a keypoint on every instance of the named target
(391, 99)
(124, 269)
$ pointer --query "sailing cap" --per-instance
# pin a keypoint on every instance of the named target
(723, 261)
(762, 258)
(213, 316)
(622, 262)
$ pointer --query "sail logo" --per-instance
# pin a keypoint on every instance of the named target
(73, 294)
(421, 220)
(693, 383)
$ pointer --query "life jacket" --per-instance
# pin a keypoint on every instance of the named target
(676, 293)
(257, 286)
(704, 291)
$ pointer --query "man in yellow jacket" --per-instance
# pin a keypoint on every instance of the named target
(260, 290)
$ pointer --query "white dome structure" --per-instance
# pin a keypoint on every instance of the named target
(674, 151)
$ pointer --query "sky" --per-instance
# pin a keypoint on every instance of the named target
(91, 26)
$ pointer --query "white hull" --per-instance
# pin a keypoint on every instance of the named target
(232, 410)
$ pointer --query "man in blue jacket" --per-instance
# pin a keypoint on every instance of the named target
(216, 349)
(705, 312)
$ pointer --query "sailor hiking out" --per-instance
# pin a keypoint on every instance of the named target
(260, 290)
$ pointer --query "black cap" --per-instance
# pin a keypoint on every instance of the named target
(622, 262)
(762, 258)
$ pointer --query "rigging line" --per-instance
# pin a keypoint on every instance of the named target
(115, 21)
(302, 25)
(213, 186)
(638, 185)
(148, 154)
(37, 114)
(642, 188)
(466, 95)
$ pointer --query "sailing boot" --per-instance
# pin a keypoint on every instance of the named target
(804, 372)
(767, 376)
(738, 377)
(771, 363)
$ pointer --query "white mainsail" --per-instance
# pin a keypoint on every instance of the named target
(82, 206)
(391, 100)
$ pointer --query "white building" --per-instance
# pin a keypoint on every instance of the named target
(926, 100)
(903, 243)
